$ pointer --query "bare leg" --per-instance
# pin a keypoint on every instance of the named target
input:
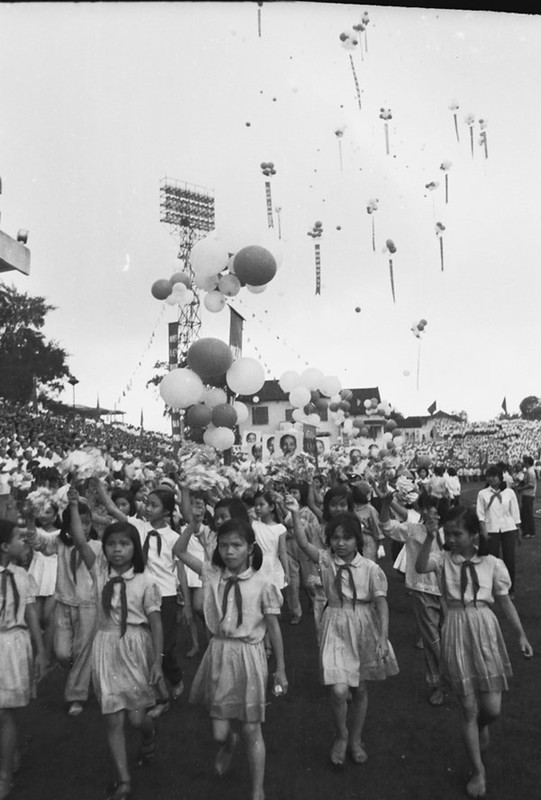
(358, 707)
(228, 739)
(8, 743)
(490, 704)
(197, 609)
(117, 744)
(476, 785)
(48, 626)
(339, 706)
(140, 720)
(256, 757)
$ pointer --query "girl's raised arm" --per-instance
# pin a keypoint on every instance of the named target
(298, 530)
(76, 530)
(106, 501)
(311, 501)
(421, 564)
(180, 550)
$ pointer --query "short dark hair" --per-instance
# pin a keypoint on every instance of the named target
(337, 492)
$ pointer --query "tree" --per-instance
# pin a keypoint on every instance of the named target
(28, 362)
(530, 407)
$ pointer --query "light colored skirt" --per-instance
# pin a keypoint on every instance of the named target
(121, 669)
(473, 653)
(16, 668)
(232, 680)
(347, 646)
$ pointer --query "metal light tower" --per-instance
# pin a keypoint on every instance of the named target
(188, 210)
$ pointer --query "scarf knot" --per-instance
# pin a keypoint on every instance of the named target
(107, 599)
(233, 582)
(8, 576)
(146, 545)
(340, 570)
(468, 566)
(76, 559)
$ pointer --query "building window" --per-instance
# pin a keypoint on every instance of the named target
(323, 414)
(260, 415)
(289, 414)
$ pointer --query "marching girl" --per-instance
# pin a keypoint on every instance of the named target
(127, 648)
(75, 608)
(19, 630)
(43, 569)
(157, 540)
(473, 654)
(240, 605)
(201, 545)
(353, 642)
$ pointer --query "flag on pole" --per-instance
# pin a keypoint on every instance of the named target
(236, 322)
(504, 405)
(432, 407)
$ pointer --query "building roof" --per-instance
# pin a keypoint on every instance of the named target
(271, 391)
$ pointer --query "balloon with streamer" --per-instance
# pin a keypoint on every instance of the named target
(259, 6)
(316, 233)
(371, 208)
(385, 115)
(418, 329)
(339, 132)
(267, 168)
(440, 227)
(470, 122)
(483, 135)
(445, 166)
(454, 108)
(161, 289)
(392, 250)
(349, 41)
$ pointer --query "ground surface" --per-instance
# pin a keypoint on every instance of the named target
(415, 750)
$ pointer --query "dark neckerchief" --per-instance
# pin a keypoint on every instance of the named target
(8, 576)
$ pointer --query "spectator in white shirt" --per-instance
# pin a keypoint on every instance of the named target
(499, 515)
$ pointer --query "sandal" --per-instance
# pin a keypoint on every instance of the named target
(338, 752)
(147, 751)
(121, 791)
(358, 753)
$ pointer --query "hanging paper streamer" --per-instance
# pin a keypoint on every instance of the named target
(129, 384)
(349, 42)
(259, 19)
(440, 227)
(267, 168)
(385, 115)
(483, 135)
(417, 329)
(454, 108)
(371, 208)
(339, 132)
(278, 210)
(445, 166)
(470, 122)
(316, 233)
(392, 249)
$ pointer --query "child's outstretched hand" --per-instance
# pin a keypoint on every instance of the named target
(281, 684)
(382, 649)
(156, 674)
(73, 495)
(291, 504)
(525, 646)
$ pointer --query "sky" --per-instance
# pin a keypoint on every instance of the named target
(100, 101)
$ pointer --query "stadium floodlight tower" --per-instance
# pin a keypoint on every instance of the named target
(188, 210)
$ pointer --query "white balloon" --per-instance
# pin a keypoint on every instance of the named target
(228, 285)
(221, 438)
(206, 282)
(214, 397)
(299, 396)
(298, 414)
(214, 301)
(289, 379)
(208, 256)
(311, 378)
(313, 419)
(329, 385)
(181, 388)
(245, 376)
(242, 411)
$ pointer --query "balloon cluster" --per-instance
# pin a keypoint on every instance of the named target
(349, 41)
(311, 392)
(417, 328)
(372, 205)
(267, 168)
(316, 231)
(210, 417)
(373, 407)
(392, 435)
(339, 132)
(176, 290)
(385, 113)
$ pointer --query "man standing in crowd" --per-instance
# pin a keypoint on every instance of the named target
(527, 489)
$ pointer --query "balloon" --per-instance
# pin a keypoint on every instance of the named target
(346, 394)
(344, 405)
(228, 285)
(298, 414)
(180, 277)
(256, 289)
(364, 432)
(358, 423)
(181, 388)
(311, 378)
(206, 282)
(390, 445)
(321, 404)
(396, 432)
(313, 419)
(214, 301)
(222, 438)
(374, 402)
(245, 376)
(209, 357)
(329, 385)
(391, 247)
(255, 265)
(198, 416)
(208, 256)
(357, 310)
(161, 289)
(387, 436)
(398, 441)
(214, 397)
(390, 425)
(289, 380)
(172, 300)
(367, 404)
(224, 416)
(299, 396)
(242, 411)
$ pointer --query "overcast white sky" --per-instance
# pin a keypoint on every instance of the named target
(100, 101)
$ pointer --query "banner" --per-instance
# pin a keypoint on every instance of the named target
(236, 322)
(173, 362)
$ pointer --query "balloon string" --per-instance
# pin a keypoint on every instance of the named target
(418, 364)
(340, 154)
(446, 188)
(387, 138)
(365, 42)
(259, 22)
(456, 128)
(471, 139)
(441, 252)
(485, 143)
(392, 278)
(357, 89)
(373, 234)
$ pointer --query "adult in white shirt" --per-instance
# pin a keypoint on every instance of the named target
(499, 515)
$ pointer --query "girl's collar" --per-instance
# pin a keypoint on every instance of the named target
(355, 561)
(458, 558)
(242, 576)
(128, 575)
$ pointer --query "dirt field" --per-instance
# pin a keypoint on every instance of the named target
(415, 750)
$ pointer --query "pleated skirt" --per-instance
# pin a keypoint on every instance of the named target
(16, 668)
(121, 669)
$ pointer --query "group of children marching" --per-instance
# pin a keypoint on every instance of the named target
(115, 619)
